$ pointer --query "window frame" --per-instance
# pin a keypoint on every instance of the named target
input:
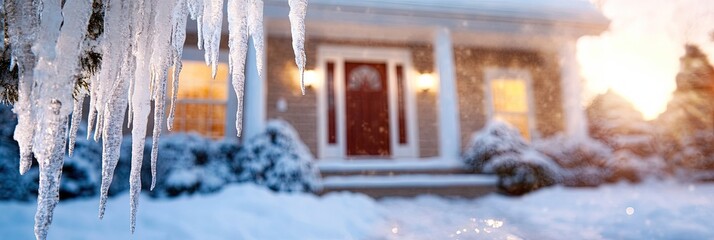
(522, 74)
(192, 53)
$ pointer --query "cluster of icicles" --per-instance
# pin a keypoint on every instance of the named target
(142, 41)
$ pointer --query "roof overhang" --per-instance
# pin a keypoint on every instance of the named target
(515, 23)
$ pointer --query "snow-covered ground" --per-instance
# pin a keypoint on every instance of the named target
(654, 210)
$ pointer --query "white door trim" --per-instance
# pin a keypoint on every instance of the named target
(392, 57)
(491, 73)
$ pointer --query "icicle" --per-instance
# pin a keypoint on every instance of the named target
(178, 39)
(298, 9)
(92, 108)
(55, 79)
(195, 7)
(141, 96)
(23, 24)
(76, 120)
(255, 26)
(112, 131)
(130, 118)
(238, 45)
(162, 58)
(115, 74)
(50, 160)
(212, 21)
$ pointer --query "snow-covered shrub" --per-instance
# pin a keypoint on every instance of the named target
(586, 162)
(81, 173)
(277, 159)
(499, 148)
(523, 172)
(497, 138)
(12, 185)
(186, 166)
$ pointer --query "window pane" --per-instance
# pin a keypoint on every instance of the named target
(509, 95)
(196, 82)
(201, 103)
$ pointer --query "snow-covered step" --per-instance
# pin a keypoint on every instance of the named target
(464, 185)
(389, 167)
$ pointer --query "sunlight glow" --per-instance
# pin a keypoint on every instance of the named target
(638, 56)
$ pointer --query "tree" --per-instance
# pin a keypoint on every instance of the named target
(687, 132)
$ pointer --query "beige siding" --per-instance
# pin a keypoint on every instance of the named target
(470, 65)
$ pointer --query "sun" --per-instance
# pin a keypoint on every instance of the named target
(641, 72)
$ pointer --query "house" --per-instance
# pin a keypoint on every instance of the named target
(406, 80)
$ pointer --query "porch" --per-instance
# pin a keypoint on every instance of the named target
(379, 178)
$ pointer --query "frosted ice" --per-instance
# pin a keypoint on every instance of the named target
(141, 96)
(76, 120)
(50, 159)
(23, 24)
(162, 58)
(113, 84)
(298, 10)
(255, 27)
(212, 24)
(238, 45)
(178, 38)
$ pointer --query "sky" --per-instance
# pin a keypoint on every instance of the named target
(638, 56)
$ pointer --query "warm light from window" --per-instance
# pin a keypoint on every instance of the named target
(425, 82)
(310, 78)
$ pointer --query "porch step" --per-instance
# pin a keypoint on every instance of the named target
(409, 185)
(389, 167)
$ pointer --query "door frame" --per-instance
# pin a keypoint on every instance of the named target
(338, 55)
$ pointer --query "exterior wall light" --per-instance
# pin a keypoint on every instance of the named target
(425, 82)
(310, 79)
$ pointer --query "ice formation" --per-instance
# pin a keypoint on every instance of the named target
(298, 10)
(144, 39)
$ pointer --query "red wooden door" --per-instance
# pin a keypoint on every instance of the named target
(367, 109)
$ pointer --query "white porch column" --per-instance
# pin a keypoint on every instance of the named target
(449, 125)
(254, 116)
(571, 85)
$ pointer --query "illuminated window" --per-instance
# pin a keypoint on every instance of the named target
(201, 103)
(509, 99)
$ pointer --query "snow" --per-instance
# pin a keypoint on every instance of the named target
(652, 210)
(409, 180)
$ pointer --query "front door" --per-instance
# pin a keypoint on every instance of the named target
(366, 109)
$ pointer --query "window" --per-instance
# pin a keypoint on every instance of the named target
(509, 95)
(201, 103)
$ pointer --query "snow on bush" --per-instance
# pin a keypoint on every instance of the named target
(585, 161)
(497, 138)
(80, 173)
(499, 148)
(187, 166)
(277, 159)
(588, 162)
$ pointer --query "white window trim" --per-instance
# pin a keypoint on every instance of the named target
(393, 57)
(491, 73)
